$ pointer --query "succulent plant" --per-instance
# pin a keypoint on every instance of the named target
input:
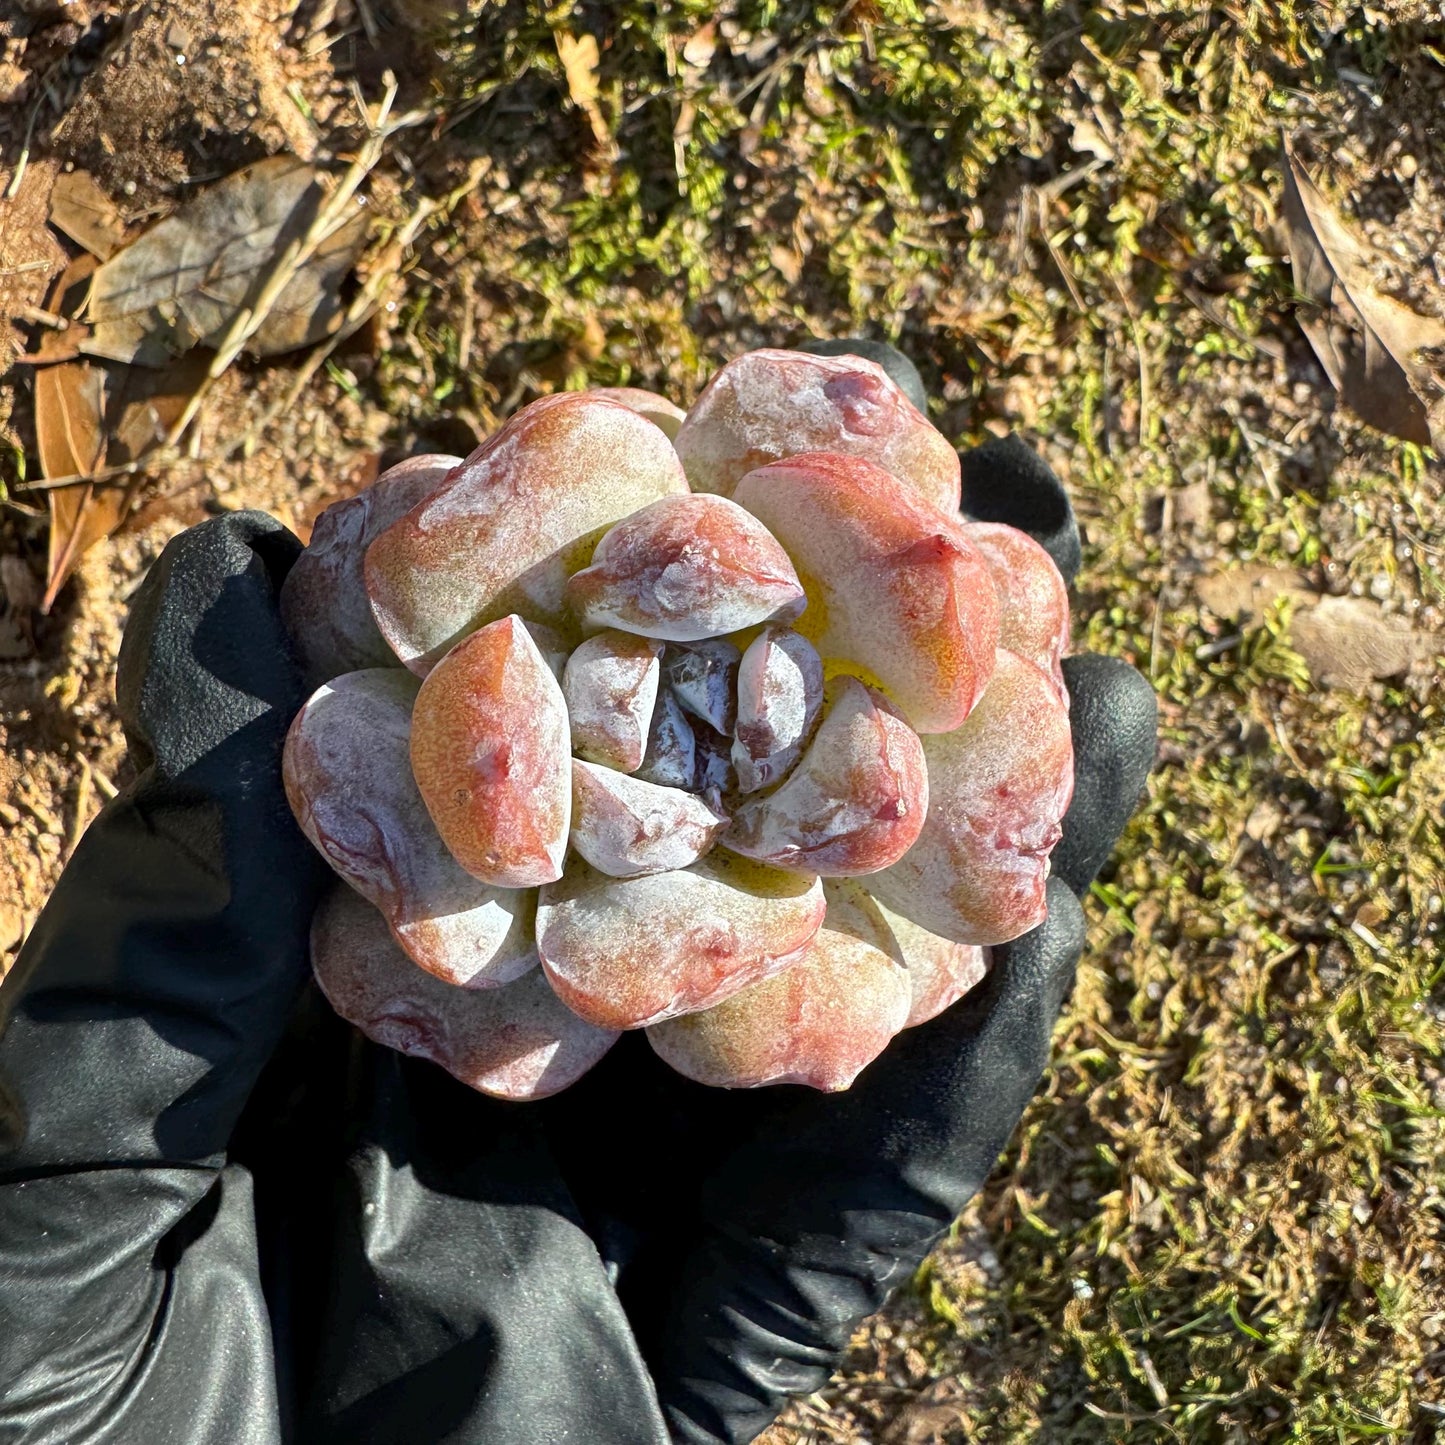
(726, 726)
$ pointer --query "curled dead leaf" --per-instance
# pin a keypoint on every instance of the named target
(1369, 344)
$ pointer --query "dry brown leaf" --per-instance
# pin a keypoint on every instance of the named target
(70, 433)
(141, 406)
(80, 516)
(69, 394)
(182, 282)
(69, 412)
(82, 211)
(1369, 344)
(90, 414)
(580, 57)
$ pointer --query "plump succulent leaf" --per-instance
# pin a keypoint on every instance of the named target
(894, 587)
(517, 1042)
(767, 405)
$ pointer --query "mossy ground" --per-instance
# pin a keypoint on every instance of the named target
(1221, 1219)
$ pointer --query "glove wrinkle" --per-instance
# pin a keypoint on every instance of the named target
(114, 1346)
(1006, 480)
(469, 1304)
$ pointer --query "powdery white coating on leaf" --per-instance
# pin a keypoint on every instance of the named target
(940, 971)
(517, 1042)
(491, 753)
(854, 804)
(347, 770)
(671, 757)
(627, 828)
(998, 788)
(1033, 618)
(323, 599)
(780, 696)
(514, 521)
(610, 684)
(894, 587)
(767, 405)
(686, 568)
(624, 953)
(657, 409)
(703, 677)
(818, 1022)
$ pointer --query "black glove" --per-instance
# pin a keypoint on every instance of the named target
(225, 1217)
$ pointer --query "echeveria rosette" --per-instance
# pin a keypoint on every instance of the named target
(725, 725)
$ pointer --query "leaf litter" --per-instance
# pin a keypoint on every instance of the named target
(182, 283)
(80, 209)
(109, 389)
(1369, 344)
(91, 415)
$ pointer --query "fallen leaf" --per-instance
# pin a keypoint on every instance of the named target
(1349, 642)
(1248, 591)
(142, 405)
(69, 394)
(69, 419)
(579, 56)
(81, 210)
(70, 437)
(1369, 344)
(81, 516)
(183, 281)
(89, 414)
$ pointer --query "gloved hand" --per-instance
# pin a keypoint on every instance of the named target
(225, 1217)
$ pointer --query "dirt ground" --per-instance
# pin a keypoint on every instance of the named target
(1221, 1219)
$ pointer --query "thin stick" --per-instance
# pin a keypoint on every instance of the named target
(13, 189)
(248, 320)
(82, 807)
(1144, 390)
(362, 308)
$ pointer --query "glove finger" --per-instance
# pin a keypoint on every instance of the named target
(1114, 718)
(1005, 480)
(161, 972)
